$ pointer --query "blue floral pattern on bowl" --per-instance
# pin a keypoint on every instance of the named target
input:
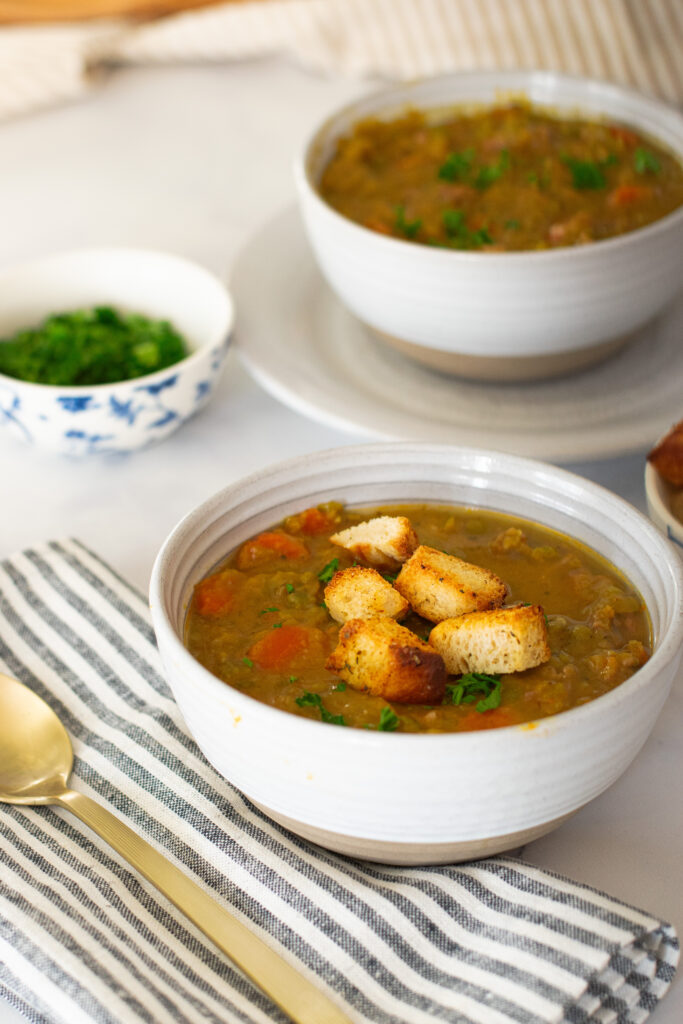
(111, 418)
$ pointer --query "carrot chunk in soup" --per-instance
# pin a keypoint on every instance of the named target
(269, 546)
(215, 595)
(311, 522)
(280, 648)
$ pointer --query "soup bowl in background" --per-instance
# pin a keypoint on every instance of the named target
(411, 798)
(490, 315)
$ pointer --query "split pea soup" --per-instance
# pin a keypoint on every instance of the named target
(508, 178)
(259, 622)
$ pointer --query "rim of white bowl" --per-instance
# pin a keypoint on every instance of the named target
(662, 556)
(194, 356)
(305, 183)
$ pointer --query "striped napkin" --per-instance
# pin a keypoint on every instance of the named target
(83, 938)
(633, 42)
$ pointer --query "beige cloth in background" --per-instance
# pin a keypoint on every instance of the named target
(633, 42)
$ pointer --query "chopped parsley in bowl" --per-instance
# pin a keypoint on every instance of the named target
(91, 346)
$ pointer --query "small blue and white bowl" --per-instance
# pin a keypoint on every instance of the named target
(119, 417)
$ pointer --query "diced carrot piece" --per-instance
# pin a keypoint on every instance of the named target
(629, 138)
(494, 719)
(409, 160)
(270, 545)
(313, 521)
(277, 649)
(378, 225)
(624, 195)
(215, 595)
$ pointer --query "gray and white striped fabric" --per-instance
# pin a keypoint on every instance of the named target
(83, 938)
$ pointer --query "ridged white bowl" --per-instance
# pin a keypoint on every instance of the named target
(500, 316)
(418, 798)
(119, 417)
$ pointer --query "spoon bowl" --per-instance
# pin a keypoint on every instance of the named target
(36, 758)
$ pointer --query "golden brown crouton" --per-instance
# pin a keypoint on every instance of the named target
(384, 542)
(361, 593)
(387, 660)
(500, 641)
(440, 586)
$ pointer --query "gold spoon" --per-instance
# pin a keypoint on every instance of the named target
(35, 763)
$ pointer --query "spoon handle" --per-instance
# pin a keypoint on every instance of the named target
(293, 993)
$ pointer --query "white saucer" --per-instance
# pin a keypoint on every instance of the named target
(304, 347)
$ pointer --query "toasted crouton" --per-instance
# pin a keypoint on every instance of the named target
(361, 593)
(384, 542)
(501, 641)
(439, 586)
(387, 660)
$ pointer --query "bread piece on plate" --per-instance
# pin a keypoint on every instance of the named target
(361, 593)
(667, 456)
(499, 641)
(387, 660)
(439, 586)
(384, 542)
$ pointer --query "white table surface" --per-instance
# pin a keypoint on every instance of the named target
(192, 160)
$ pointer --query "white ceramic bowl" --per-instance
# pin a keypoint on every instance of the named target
(418, 798)
(511, 315)
(129, 414)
